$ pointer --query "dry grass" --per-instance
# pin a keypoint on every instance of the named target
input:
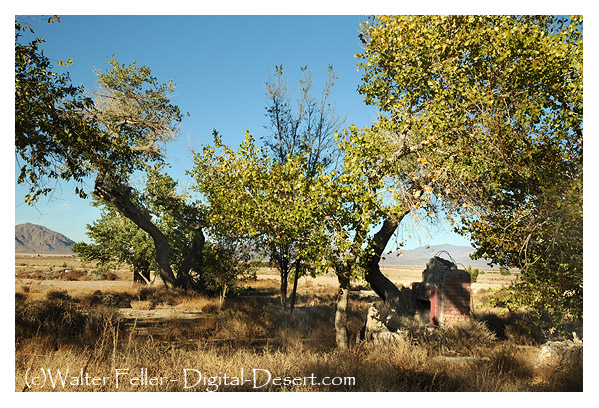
(79, 329)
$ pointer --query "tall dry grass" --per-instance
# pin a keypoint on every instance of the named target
(63, 332)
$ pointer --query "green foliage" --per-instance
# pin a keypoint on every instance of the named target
(53, 139)
(134, 110)
(224, 265)
(473, 273)
(504, 271)
(250, 195)
(494, 105)
(117, 240)
(62, 134)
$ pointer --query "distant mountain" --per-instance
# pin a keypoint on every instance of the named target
(37, 239)
(420, 256)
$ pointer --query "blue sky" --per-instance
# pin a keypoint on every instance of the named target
(220, 65)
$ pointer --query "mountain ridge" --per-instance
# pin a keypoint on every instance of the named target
(37, 239)
(420, 256)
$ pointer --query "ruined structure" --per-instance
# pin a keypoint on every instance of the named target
(443, 295)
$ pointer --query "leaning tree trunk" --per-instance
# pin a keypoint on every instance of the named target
(119, 196)
(341, 334)
(381, 285)
(141, 273)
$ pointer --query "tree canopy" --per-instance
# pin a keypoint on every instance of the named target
(53, 140)
(250, 195)
(480, 118)
(493, 104)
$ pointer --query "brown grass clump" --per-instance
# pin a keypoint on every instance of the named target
(141, 304)
(57, 295)
(108, 299)
(59, 321)
(467, 337)
(159, 295)
(199, 303)
(72, 275)
(110, 276)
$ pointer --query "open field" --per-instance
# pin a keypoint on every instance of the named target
(44, 273)
(95, 326)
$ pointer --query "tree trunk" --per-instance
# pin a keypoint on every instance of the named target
(119, 196)
(341, 335)
(284, 289)
(381, 285)
(223, 295)
(195, 253)
(137, 276)
(296, 276)
(282, 260)
(141, 274)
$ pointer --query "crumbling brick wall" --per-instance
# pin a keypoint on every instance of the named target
(444, 290)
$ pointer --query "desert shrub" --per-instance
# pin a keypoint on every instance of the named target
(159, 295)
(58, 295)
(109, 299)
(495, 323)
(309, 327)
(505, 359)
(250, 319)
(518, 327)
(473, 273)
(72, 275)
(53, 322)
(568, 378)
(224, 266)
(210, 308)
(53, 318)
(463, 337)
(141, 304)
(504, 271)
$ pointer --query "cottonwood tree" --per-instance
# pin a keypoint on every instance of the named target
(270, 203)
(489, 109)
(303, 127)
(53, 139)
(117, 239)
(135, 111)
(268, 194)
(363, 196)
(109, 134)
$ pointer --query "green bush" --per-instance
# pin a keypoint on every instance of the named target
(473, 273)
